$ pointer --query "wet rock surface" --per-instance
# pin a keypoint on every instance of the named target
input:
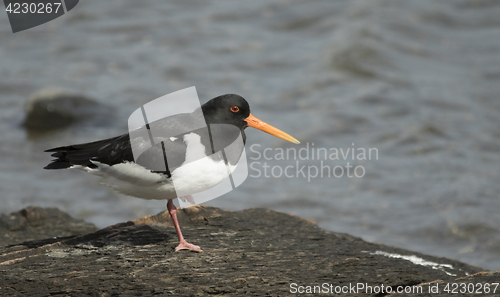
(254, 252)
(37, 223)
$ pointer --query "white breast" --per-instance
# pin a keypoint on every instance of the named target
(199, 173)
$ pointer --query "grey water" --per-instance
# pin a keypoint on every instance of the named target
(417, 81)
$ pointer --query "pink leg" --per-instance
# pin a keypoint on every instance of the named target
(183, 244)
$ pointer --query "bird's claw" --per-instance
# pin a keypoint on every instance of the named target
(188, 246)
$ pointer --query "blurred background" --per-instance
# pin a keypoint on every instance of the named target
(418, 80)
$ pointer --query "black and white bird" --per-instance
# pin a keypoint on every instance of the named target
(184, 163)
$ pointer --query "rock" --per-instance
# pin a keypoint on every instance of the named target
(35, 223)
(52, 108)
(252, 252)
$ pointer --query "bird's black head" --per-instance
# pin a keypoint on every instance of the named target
(227, 109)
(234, 110)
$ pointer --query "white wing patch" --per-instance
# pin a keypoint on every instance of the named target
(132, 179)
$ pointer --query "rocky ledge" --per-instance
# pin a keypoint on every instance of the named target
(255, 252)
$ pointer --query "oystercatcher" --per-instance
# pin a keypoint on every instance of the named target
(113, 159)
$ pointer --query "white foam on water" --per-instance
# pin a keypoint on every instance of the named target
(418, 261)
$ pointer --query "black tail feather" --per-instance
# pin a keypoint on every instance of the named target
(109, 151)
(56, 164)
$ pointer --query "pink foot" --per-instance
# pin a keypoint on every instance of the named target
(184, 245)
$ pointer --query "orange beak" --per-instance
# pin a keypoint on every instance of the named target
(258, 124)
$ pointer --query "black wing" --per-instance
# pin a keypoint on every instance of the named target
(109, 151)
(114, 150)
(170, 151)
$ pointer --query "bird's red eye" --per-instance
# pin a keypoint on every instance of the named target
(235, 109)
